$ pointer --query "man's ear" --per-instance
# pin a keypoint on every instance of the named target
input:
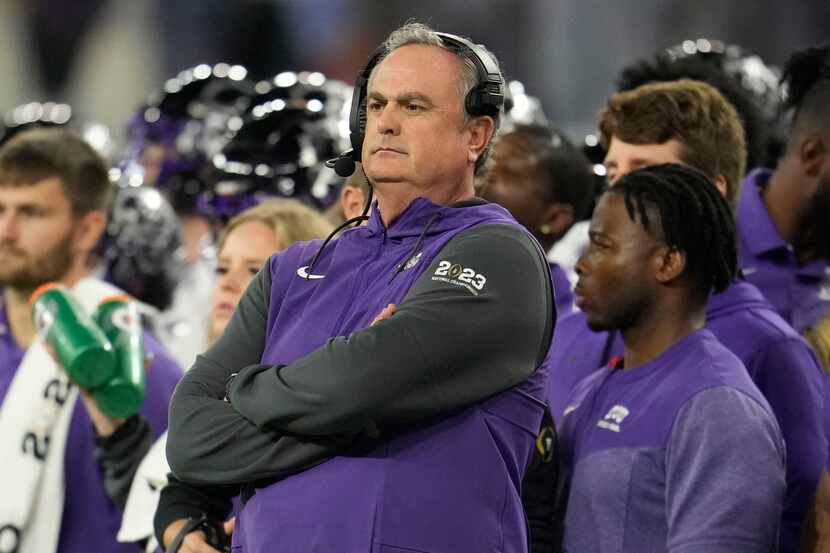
(669, 264)
(352, 200)
(481, 131)
(88, 230)
(720, 184)
(812, 153)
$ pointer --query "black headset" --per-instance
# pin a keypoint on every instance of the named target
(486, 98)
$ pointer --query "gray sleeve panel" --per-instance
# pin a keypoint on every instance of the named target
(449, 344)
(209, 442)
(725, 476)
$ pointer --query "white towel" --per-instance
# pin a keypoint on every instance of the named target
(145, 490)
(34, 425)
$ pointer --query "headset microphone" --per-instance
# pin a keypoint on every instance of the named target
(344, 164)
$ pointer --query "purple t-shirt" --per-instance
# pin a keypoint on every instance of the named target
(90, 519)
(800, 294)
(778, 360)
(653, 459)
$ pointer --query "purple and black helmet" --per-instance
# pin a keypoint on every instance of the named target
(141, 248)
(279, 146)
(185, 123)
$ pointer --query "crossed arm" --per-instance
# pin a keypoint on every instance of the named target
(445, 347)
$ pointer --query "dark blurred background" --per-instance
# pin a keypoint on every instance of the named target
(103, 57)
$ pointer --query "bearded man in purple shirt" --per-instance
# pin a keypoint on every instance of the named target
(672, 447)
(381, 391)
(785, 231)
(782, 214)
(54, 191)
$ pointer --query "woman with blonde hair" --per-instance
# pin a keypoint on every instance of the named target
(247, 242)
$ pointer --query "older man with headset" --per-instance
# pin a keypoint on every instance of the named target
(381, 391)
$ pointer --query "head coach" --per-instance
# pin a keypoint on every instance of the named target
(382, 391)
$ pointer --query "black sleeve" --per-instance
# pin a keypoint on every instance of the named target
(540, 490)
(181, 500)
(477, 322)
(120, 454)
(209, 442)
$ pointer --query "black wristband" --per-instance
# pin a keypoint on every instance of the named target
(189, 526)
(179, 500)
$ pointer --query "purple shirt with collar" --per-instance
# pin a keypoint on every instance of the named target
(90, 519)
(680, 454)
(800, 294)
(778, 360)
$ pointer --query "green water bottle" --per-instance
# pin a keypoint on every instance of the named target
(80, 346)
(123, 395)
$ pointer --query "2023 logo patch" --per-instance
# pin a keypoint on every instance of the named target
(453, 273)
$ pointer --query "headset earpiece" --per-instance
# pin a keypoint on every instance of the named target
(487, 97)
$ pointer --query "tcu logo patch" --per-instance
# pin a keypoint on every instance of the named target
(614, 418)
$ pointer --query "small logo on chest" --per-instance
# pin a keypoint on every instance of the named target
(413, 261)
(614, 418)
(302, 272)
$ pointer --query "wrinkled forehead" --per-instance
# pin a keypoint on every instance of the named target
(423, 68)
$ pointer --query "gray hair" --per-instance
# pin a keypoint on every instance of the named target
(419, 33)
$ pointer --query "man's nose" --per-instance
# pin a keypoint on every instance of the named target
(388, 121)
(581, 267)
(9, 228)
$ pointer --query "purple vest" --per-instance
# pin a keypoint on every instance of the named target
(445, 485)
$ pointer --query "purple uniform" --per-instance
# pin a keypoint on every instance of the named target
(801, 294)
(448, 412)
(680, 454)
(90, 519)
(778, 360)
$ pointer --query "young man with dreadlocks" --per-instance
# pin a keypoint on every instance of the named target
(689, 122)
(671, 447)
